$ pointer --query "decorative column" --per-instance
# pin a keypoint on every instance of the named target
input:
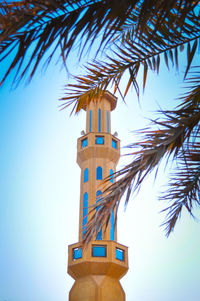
(98, 267)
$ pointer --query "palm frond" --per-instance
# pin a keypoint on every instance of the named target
(175, 137)
(42, 24)
(183, 190)
(129, 57)
(30, 28)
(130, 53)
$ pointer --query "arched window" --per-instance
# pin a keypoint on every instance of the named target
(99, 120)
(85, 212)
(98, 198)
(111, 176)
(112, 226)
(86, 174)
(108, 122)
(90, 123)
(99, 173)
(112, 220)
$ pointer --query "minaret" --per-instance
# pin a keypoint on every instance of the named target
(98, 267)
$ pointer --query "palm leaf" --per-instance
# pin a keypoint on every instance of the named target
(178, 137)
(83, 19)
(184, 187)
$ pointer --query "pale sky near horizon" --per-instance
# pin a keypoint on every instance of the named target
(39, 197)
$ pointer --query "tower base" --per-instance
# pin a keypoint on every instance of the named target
(96, 270)
(97, 288)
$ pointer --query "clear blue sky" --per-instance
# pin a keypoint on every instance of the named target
(39, 198)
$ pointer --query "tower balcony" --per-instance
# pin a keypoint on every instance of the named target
(103, 257)
(98, 145)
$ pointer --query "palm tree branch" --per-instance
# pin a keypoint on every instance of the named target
(172, 138)
(129, 58)
(184, 187)
(89, 18)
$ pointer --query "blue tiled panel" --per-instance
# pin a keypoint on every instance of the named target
(108, 123)
(99, 140)
(90, 125)
(99, 173)
(85, 212)
(114, 143)
(84, 142)
(86, 174)
(111, 176)
(119, 254)
(98, 198)
(77, 253)
(98, 251)
(99, 235)
(99, 120)
(112, 227)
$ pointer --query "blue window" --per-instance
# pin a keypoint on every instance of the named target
(84, 142)
(85, 212)
(90, 123)
(98, 198)
(99, 140)
(112, 221)
(111, 176)
(99, 235)
(77, 253)
(99, 173)
(99, 120)
(119, 254)
(108, 123)
(114, 143)
(86, 174)
(99, 251)
(112, 226)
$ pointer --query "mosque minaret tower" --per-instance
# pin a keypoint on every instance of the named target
(98, 267)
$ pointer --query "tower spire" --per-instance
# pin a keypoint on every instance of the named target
(97, 268)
